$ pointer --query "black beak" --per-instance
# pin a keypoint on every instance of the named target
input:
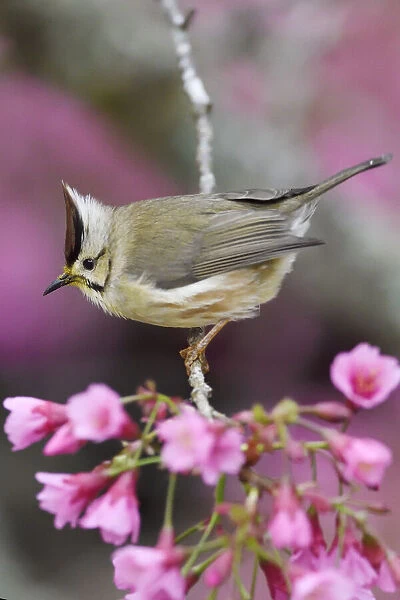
(62, 280)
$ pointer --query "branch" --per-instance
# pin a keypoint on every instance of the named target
(201, 106)
(195, 91)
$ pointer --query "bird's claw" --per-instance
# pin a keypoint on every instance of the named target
(193, 353)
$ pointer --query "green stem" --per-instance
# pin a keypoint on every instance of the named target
(149, 460)
(136, 397)
(253, 545)
(341, 534)
(309, 425)
(312, 446)
(313, 461)
(169, 504)
(244, 594)
(215, 517)
(213, 594)
(149, 396)
(254, 578)
(218, 543)
(198, 527)
(122, 463)
(146, 430)
(200, 568)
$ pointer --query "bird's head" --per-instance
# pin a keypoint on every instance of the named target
(87, 255)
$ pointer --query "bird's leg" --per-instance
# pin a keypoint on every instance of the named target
(196, 350)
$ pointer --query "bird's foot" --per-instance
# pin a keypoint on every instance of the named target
(193, 353)
(196, 351)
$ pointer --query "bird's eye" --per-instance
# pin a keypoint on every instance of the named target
(88, 264)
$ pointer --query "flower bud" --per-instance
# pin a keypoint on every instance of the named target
(218, 572)
(286, 410)
(275, 580)
(334, 412)
(289, 526)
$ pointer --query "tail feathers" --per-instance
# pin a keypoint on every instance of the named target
(317, 190)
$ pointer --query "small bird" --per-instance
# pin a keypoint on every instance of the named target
(190, 261)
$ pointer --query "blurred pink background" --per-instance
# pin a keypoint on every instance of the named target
(89, 94)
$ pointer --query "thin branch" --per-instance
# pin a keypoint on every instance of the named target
(201, 106)
(195, 91)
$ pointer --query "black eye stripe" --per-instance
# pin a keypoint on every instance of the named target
(100, 254)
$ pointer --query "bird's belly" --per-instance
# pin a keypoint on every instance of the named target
(234, 295)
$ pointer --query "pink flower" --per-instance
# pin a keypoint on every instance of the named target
(352, 566)
(289, 526)
(192, 442)
(66, 496)
(225, 454)
(385, 579)
(365, 376)
(218, 572)
(358, 569)
(30, 420)
(116, 513)
(97, 415)
(63, 442)
(187, 441)
(152, 573)
(169, 585)
(363, 459)
(327, 584)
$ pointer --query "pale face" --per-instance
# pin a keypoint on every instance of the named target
(87, 256)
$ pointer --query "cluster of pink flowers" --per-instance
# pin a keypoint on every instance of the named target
(193, 443)
(319, 573)
(287, 540)
(94, 415)
(115, 513)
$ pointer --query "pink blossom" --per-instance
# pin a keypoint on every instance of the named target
(225, 455)
(31, 419)
(151, 573)
(169, 585)
(218, 572)
(66, 496)
(385, 579)
(192, 442)
(358, 569)
(365, 376)
(116, 513)
(352, 565)
(363, 459)
(289, 526)
(63, 442)
(187, 441)
(327, 584)
(97, 415)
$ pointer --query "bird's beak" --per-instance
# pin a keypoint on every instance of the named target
(64, 279)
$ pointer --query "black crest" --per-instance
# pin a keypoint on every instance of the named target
(74, 230)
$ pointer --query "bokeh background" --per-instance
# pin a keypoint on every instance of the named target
(90, 93)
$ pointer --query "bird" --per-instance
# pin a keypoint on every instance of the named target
(190, 261)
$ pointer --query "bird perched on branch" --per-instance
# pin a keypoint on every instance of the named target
(190, 261)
